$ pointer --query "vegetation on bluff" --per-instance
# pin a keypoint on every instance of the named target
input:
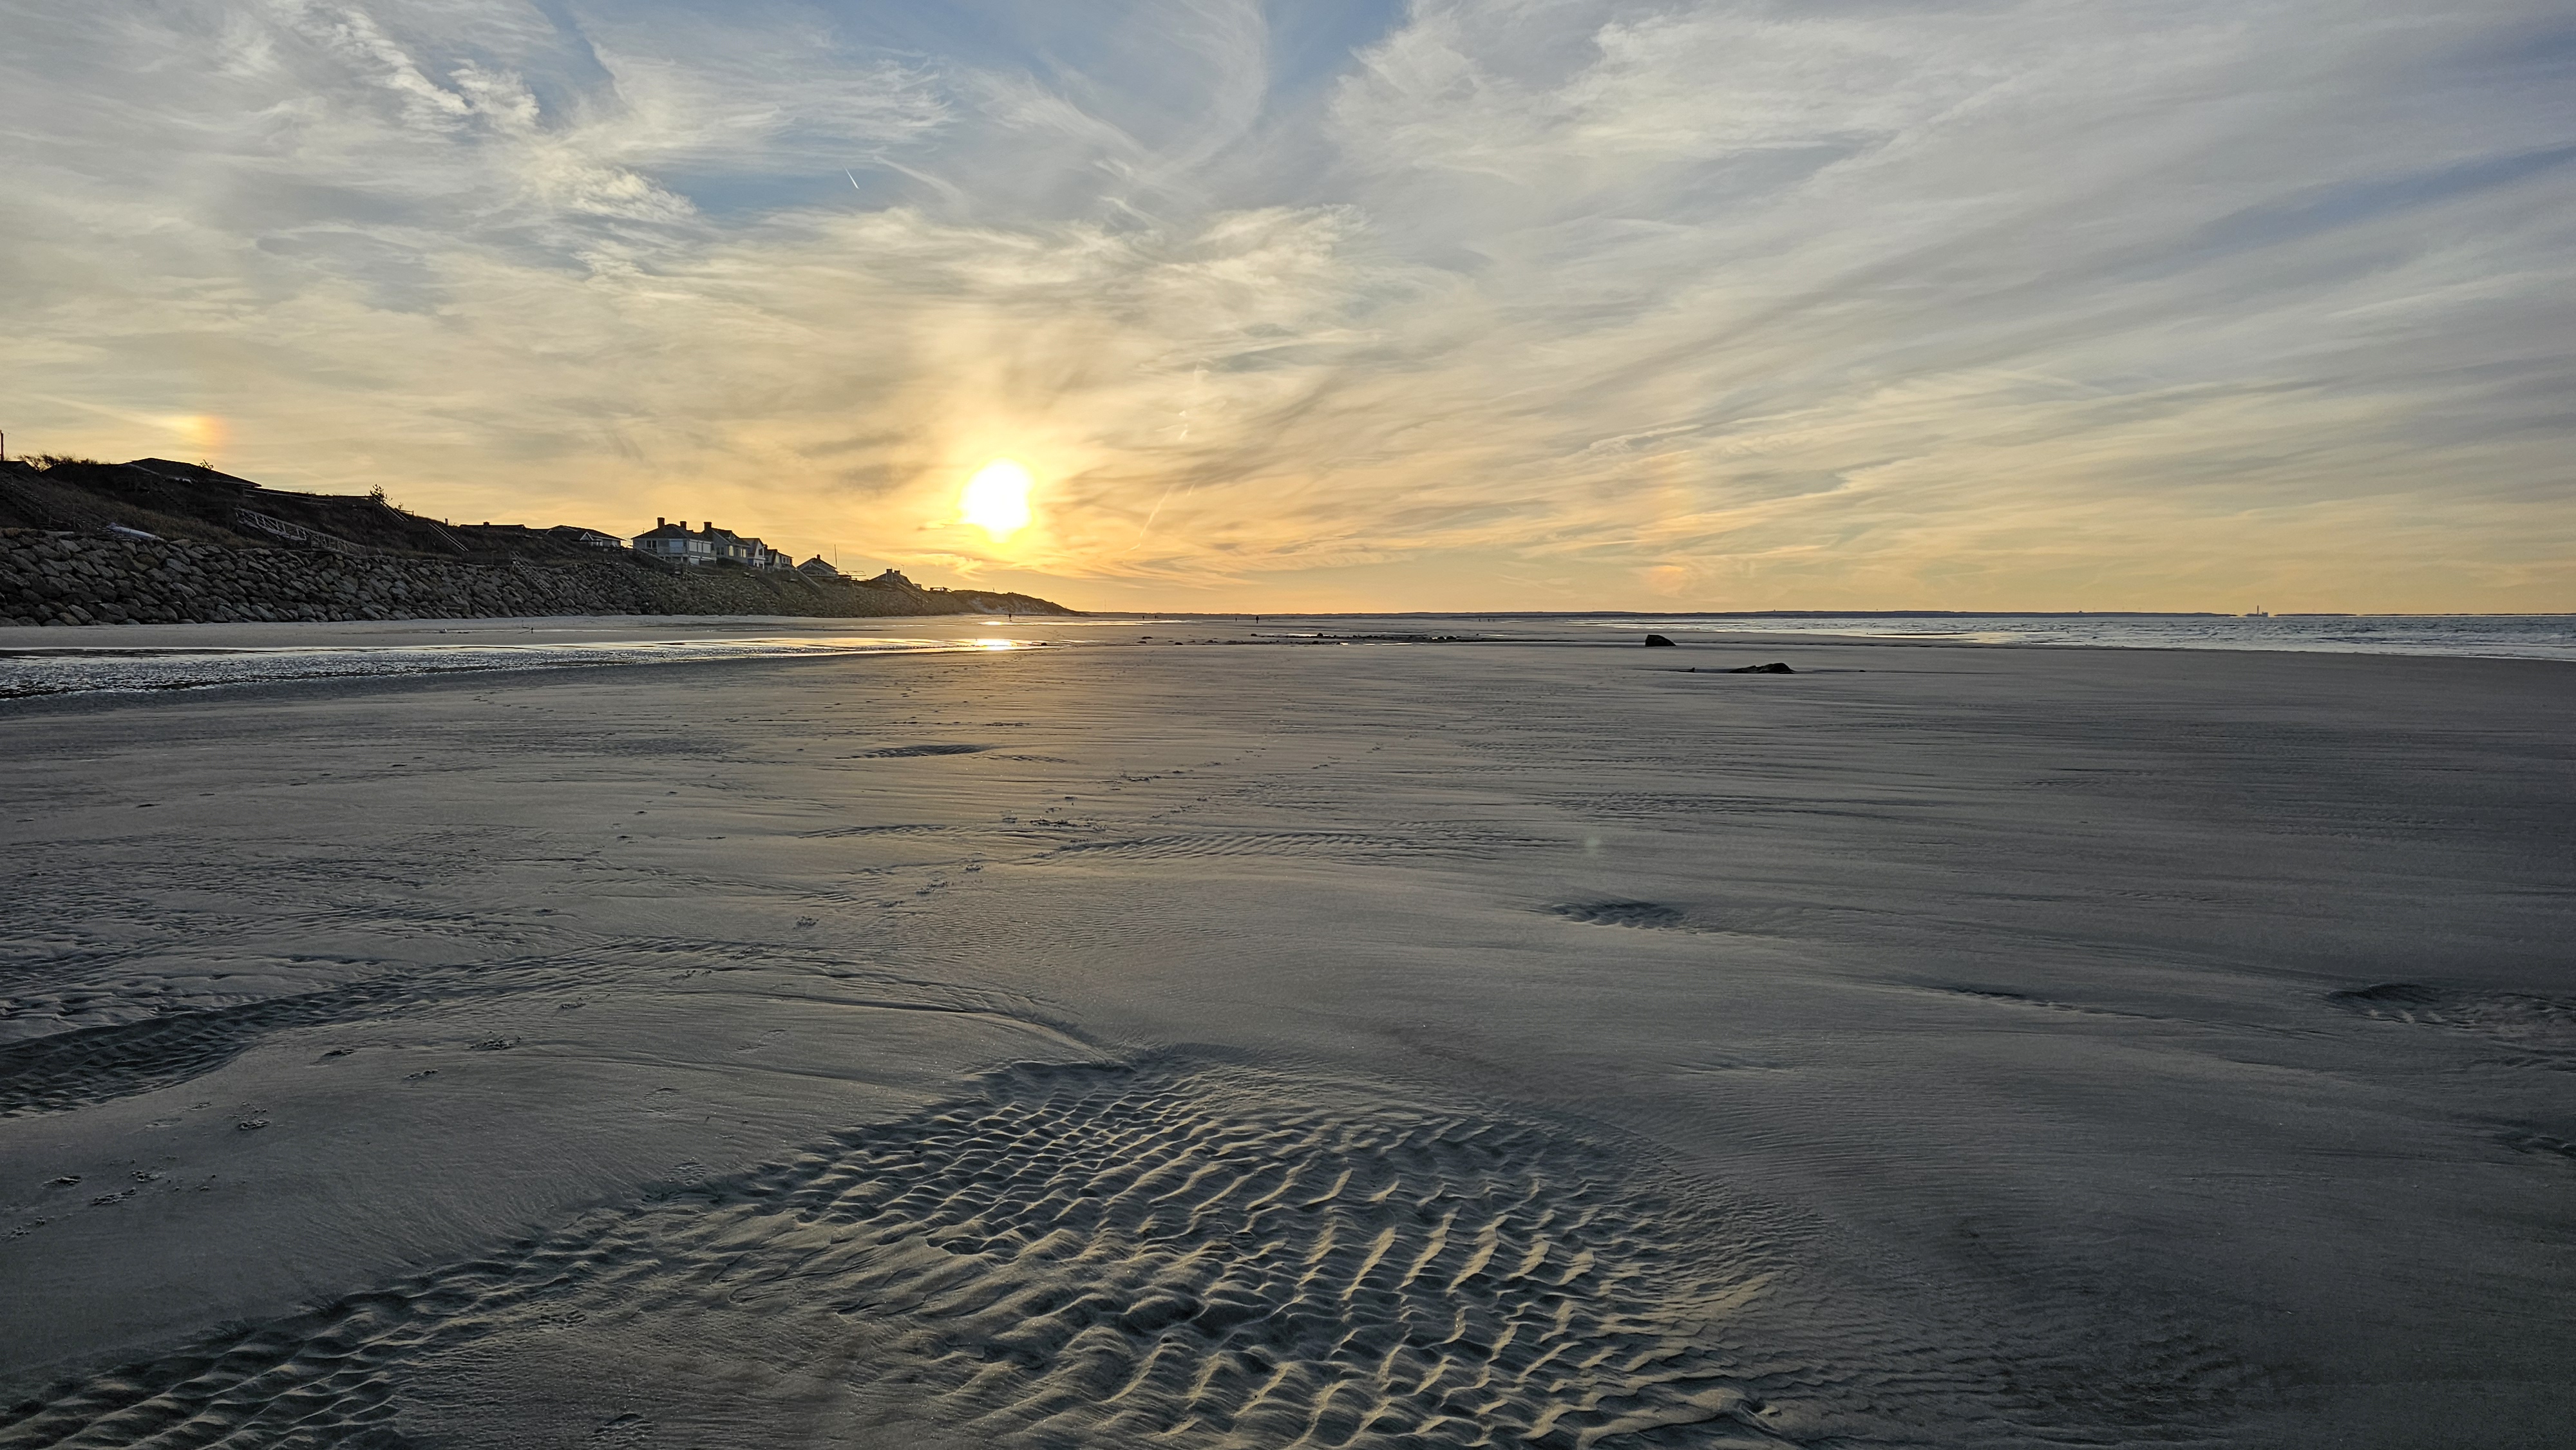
(83, 542)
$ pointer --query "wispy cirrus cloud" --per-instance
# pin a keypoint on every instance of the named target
(1468, 302)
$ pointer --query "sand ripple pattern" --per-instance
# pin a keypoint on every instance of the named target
(96, 1064)
(1647, 915)
(1114, 1262)
(1430, 840)
(2544, 1027)
(1099, 1256)
(90, 1065)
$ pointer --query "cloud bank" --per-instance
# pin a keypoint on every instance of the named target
(1344, 303)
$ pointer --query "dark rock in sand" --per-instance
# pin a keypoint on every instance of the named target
(1654, 639)
(1774, 668)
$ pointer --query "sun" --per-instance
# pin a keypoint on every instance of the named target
(997, 499)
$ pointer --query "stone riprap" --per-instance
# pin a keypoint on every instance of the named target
(62, 578)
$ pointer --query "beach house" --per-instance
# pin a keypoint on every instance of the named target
(674, 543)
(679, 544)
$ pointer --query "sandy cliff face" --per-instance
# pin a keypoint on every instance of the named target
(60, 578)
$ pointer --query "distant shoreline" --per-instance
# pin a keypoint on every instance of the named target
(1805, 614)
(581, 638)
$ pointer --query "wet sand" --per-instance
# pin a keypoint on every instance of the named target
(1270, 1042)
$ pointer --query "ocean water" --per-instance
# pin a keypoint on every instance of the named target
(72, 670)
(38, 670)
(2492, 636)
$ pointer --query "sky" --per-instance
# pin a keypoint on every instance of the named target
(1349, 304)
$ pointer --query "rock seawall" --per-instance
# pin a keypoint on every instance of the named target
(59, 578)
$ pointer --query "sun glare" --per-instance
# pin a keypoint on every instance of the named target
(997, 499)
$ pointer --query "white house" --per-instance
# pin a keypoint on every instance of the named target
(709, 545)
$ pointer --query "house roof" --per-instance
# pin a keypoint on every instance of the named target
(724, 541)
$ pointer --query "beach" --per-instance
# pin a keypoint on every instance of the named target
(1367, 1033)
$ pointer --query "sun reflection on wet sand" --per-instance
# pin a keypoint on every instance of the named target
(81, 670)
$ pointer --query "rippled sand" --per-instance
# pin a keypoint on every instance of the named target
(1269, 1042)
